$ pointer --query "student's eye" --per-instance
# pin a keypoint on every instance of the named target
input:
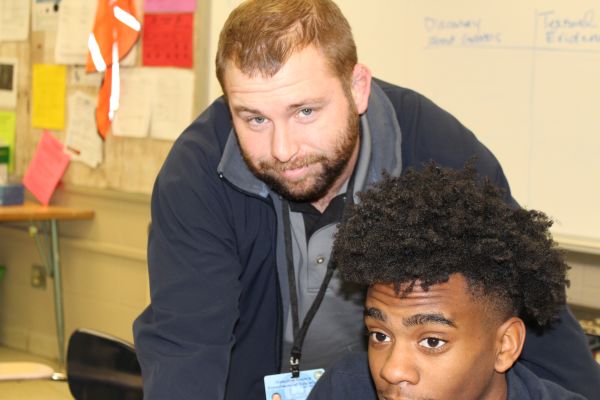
(432, 343)
(378, 337)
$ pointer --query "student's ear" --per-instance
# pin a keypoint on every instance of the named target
(361, 87)
(509, 343)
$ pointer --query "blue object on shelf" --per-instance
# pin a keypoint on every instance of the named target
(12, 194)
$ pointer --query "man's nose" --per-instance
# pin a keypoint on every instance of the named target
(283, 143)
(400, 367)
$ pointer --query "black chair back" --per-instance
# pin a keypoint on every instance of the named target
(101, 367)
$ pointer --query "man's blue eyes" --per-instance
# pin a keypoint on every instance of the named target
(303, 112)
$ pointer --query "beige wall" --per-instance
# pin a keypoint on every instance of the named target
(103, 273)
(585, 279)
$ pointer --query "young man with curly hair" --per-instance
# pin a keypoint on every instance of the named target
(453, 273)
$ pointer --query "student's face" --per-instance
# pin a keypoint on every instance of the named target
(299, 129)
(439, 344)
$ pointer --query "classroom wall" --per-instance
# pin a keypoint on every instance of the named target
(103, 260)
(585, 279)
(103, 265)
(104, 271)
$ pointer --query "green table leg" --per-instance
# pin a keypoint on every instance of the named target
(51, 259)
(58, 302)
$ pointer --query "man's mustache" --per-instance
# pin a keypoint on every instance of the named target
(278, 166)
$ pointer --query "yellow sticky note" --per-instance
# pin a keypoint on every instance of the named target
(48, 104)
(7, 135)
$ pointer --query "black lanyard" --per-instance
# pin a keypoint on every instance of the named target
(300, 331)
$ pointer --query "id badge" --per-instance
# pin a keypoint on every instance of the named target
(284, 387)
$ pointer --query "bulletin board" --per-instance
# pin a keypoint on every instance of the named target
(129, 164)
(522, 75)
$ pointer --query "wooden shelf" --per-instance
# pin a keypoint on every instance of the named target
(31, 211)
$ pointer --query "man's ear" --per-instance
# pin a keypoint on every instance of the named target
(509, 343)
(361, 87)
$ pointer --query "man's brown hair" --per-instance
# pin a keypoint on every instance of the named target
(260, 35)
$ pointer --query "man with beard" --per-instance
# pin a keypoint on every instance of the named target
(246, 205)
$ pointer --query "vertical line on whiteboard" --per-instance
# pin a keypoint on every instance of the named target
(532, 112)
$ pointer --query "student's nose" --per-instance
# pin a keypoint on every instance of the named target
(283, 143)
(400, 367)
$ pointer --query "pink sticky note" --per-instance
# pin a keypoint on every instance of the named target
(169, 6)
(46, 168)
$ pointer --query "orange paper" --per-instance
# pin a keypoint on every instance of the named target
(46, 168)
(168, 40)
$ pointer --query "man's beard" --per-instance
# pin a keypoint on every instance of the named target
(332, 168)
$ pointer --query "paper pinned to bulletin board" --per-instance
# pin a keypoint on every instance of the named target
(14, 20)
(7, 135)
(48, 104)
(158, 6)
(75, 21)
(168, 40)
(44, 15)
(8, 82)
(82, 140)
(155, 101)
(46, 168)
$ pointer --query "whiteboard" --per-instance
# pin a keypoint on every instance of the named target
(523, 75)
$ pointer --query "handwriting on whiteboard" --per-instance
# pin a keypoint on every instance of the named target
(459, 32)
(565, 30)
(553, 30)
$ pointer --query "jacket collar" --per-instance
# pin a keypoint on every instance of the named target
(381, 142)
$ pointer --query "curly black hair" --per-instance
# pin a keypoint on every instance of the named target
(426, 225)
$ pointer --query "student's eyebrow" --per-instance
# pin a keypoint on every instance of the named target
(374, 313)
(428, 318)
